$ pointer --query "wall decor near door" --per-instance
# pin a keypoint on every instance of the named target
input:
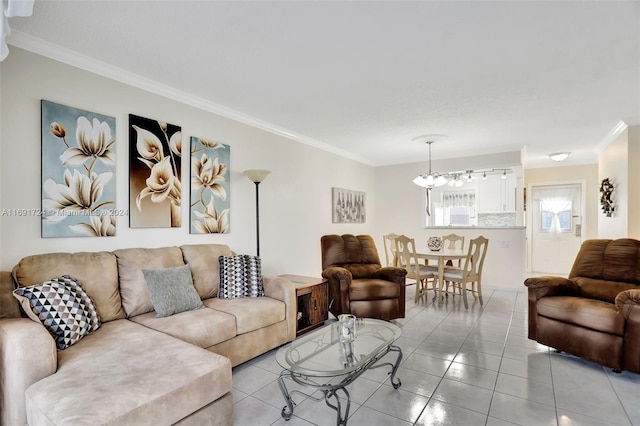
(606, 197)
(78, 165)
(155, 190)
(209, 204)
(348, 206)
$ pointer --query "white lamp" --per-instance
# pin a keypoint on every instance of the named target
(430, 179)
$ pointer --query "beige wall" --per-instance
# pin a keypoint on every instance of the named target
(613, 163)
(295, 200)
(634, 182)
(585, 173)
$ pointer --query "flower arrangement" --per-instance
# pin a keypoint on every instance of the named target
(209, 187)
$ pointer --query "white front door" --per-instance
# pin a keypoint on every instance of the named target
(556, 227)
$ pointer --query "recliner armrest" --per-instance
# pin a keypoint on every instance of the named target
(551, 286)
(339, 280)
(390, 273)
(628, 304)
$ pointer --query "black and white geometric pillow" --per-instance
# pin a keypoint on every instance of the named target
(62, 306)
(240, 276)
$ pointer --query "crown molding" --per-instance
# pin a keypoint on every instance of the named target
(67, 56)
(620, 127)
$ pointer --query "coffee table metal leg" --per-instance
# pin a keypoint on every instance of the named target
(394, 381)
(340, 419)
(287, 411)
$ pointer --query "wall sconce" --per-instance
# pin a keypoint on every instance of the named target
(257, 176)
(606, 197)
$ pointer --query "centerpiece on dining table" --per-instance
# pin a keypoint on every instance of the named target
(434, 243)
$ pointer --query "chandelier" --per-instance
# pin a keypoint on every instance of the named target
(429, 179)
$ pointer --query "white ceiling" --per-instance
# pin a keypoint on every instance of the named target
(363, 78)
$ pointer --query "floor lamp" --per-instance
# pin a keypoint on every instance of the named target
(257, 176)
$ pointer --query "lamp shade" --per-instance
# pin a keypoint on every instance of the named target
(256, 175)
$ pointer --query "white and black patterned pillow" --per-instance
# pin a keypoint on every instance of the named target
(62, 306)
(240, 276)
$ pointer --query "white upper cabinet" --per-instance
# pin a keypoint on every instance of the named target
(496, 195)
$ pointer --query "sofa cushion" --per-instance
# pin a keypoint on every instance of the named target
(62, 306)
(171, 290)
(202, 327)
(251, 313)
(131, 262)
(240, 276)
(118, 372)
(373, 289)
(205, 268)
(601, 289)
(588, 313)
(98, 273)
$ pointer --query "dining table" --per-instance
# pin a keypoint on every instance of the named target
(442, 256)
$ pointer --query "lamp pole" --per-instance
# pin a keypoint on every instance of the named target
(257, 176)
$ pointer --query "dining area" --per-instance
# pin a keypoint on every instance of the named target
(447, 266)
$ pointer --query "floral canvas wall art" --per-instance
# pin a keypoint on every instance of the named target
(155, 189)
(78, 167)
(209, 205)
(348, 206)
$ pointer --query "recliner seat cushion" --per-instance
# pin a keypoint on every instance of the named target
(373, 289)
(588, 313)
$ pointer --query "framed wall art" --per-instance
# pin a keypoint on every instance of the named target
(155, 189)
(348, 206)
(78, 167)
(209, 203)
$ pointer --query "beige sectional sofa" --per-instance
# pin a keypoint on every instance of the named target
(135, 369)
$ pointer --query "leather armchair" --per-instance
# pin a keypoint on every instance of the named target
(595, 312)
(358, 284)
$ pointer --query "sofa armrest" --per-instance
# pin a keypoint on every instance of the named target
(339, 280)
(390, 273)
(27, 355)
(628, 305)
(283, 289)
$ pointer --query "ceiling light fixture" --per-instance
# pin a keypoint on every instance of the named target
(504, 175)
(430, 179)
(484, 176)
(559, 156)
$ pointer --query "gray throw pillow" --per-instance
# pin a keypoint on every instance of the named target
(171, 290)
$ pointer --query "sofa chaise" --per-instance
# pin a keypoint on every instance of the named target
(595, 312)
(136, 368)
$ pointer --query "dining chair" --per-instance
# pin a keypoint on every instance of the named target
(471, 271)
(407, 257)
(389, 243)
(452, 241)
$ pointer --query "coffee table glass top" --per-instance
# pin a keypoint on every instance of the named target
(321, 354)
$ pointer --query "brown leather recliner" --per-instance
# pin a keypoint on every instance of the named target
(358, 284)
(595, 312)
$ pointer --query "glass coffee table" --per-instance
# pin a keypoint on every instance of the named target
(319, 360)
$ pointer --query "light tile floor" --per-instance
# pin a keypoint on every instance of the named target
(460, 367)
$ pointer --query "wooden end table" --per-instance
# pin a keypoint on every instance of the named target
(312, 306)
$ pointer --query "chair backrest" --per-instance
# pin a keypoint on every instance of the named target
(453, 241)
(355, 253)
(406, 252)
(389, 242)
(475, 257)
